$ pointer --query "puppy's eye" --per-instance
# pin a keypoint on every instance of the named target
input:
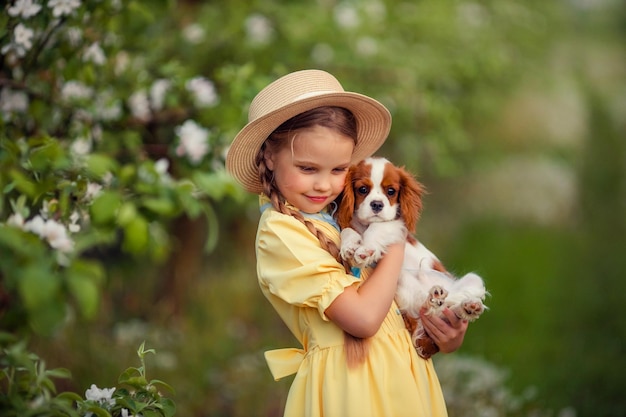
(363, 190)
(391, 192)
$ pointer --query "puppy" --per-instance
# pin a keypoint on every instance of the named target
(381, 205)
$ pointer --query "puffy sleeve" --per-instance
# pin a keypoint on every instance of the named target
(293, 266)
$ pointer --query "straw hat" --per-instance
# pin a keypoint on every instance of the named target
(291, 95)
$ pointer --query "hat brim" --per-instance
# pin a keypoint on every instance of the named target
(373, 125)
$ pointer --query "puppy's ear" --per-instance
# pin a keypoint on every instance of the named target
(346, 203)
(411, 193)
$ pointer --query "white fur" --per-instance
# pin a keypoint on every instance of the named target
(419, 285)
(364, 213)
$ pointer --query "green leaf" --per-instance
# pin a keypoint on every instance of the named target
(83, 280)
(160, 206)
(50, 155)
(23, 184)
(212, 183)
(98, 411)
(136, 236)
(99, 165)
(69, 396)
(126, 214)
(137, 382)
(169, 407)
(104, 207)
(37, 286)
(23, 244)
(59, 373)
(128, 374)
(162, 384)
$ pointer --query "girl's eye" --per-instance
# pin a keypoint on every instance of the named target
(363, 190)
(391, 192)
(306, 169)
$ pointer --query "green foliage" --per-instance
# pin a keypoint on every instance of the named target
(27, 386)
(98, 151)
(28, 389)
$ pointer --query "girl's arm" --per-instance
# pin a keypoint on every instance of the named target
(360, 311)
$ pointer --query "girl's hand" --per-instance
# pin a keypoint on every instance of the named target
(447, 333)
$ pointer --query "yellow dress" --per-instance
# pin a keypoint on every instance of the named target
(301, 279)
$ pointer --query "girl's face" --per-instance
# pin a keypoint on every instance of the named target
(310, 171)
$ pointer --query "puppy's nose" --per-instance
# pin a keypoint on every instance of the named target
(377, 206)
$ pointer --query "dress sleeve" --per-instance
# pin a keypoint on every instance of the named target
(294, 267)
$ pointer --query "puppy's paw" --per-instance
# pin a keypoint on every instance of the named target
(350, 242)
(436, 298)
(470, 309)
(365, 255)
(347, 251)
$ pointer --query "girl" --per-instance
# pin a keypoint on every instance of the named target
(304, 132)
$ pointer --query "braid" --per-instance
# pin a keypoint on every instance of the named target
(269, 189)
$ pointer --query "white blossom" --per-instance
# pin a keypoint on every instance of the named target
(81, 147)
(74, 35)
(24, 8)
(53, 232)
(22, 41)
(16, 220)
(193, 141)
(367, 46)
(203, 91)
(194, 33)
(75, 90)
(107, 107)
(108, 178)
(45, 209)
(121, 62)
(161, 166)
(74, 227)
(23, 36)
(103, 396)
(346, 16)
(63, 7)
(56, 235)
(13, 101)
(93, 190)
(95, 54)
(157, 93)
(139, 105)
(259, 29)
(322, 53)
(35, 225)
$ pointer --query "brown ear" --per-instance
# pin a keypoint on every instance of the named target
(410, 199)
(346, 205)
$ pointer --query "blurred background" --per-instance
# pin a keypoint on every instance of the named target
(512, 113)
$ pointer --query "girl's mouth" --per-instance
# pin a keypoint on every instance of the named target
(317, 199)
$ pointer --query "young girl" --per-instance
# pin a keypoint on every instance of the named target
(304, 132)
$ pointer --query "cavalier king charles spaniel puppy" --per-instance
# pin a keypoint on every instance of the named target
(380, 205)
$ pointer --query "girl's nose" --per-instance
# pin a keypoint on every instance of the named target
(322, 183)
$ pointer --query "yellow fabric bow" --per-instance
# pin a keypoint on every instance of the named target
(284, 362)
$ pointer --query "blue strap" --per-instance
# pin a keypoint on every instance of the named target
(355, 271)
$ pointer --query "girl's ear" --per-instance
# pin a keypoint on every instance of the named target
(268, 158)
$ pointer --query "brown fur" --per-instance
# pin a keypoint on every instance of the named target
(409, 195)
